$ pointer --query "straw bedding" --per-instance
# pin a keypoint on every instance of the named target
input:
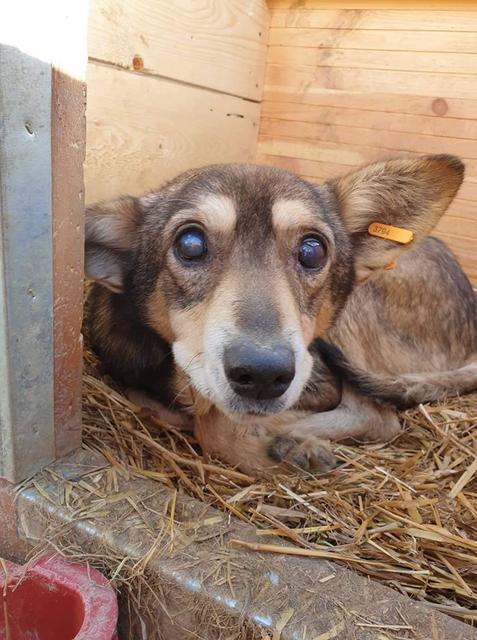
(404, 513)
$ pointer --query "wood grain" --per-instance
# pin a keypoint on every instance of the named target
(397, 40)
(142, 131)
(359, 5)
(456, 225)
(394, 103)
(379, 19)
(219, 44)
(293, 79)
(446, 127)
(390, 140)
(424, 61)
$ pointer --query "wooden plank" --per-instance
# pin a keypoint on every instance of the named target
(349, 155)
(391, 140)
(314, 169)
(330, 152)
(309, 80)
(68, 139)
(220, 44)
(464, 209)
(454, 225)
(468, 190)
(367, 39)
(401, 5)
(464, 249)
(425, 61)
(68, 38)
(373, 101)
(388, 19)
(141, 131)
(26, 310)
(376, 120)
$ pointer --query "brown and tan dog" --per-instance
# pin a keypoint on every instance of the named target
(261, 305)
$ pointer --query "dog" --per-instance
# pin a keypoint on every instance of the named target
(274, 315)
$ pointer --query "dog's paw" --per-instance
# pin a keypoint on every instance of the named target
(307, 453)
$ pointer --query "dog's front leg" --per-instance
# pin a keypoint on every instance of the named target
(263, 447)
(300, 439)
(355, 418)
(295, 439)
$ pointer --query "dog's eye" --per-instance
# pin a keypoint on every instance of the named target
(312, 253)
(191, 244)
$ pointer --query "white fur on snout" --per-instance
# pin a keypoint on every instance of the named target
(193, 365)
(205, 368)
(203, 334)
(303, 367)
(207, 374)
(216, 340)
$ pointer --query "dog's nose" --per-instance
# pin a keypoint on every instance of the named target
(259, 372)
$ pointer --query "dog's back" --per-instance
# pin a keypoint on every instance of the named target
(418, 318)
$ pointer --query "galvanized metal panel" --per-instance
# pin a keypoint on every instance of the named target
(26, 307)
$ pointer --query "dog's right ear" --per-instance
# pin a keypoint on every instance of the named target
(110, 235)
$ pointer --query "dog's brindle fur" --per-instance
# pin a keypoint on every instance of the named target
(410, 333)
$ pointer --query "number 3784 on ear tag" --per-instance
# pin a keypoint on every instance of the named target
(388, 232)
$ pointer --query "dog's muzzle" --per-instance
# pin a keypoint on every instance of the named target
(259, 372)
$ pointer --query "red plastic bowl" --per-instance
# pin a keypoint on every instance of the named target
(54, 599)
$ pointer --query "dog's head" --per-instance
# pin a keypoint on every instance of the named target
(240, 267)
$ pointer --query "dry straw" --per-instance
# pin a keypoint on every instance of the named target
(404, 513)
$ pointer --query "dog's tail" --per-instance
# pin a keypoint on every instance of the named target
(402, 391)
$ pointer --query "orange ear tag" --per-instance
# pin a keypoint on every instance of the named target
(388, 232)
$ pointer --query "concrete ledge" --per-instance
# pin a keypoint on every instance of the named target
(194, 583)
(11, 546)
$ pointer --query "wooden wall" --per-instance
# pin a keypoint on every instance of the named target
(171, 85)
(349, 82)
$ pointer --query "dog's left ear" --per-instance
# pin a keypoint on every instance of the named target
(409, 194)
